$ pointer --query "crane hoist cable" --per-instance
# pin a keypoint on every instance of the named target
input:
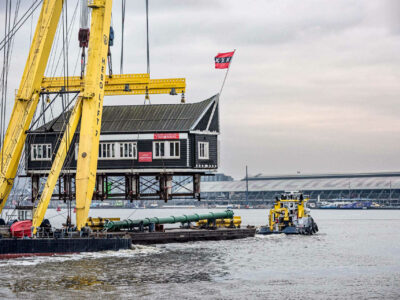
(147, 37)
(19, 23)
(4, 80)
(147, 97)
(123, 2)
(84, 33)
(8, 50)
(6, 67)
(52, 66)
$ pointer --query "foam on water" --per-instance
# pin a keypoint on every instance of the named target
(36, 260)
(271, 236)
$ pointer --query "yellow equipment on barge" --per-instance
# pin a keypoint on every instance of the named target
(291, 216)
(234, 222)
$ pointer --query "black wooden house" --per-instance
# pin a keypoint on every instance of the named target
(159, 141)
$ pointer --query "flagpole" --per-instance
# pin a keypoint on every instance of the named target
(226, 74)
(219, 96)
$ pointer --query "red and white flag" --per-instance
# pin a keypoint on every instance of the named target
(222, 60)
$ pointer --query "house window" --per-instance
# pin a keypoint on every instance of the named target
(127, 150)
(106, 150)
(41, 152)
(166, 149)
(159, 149)
(203, 150)
(174, 149)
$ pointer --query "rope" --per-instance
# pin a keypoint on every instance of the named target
(5, 71)
(3, 84)
(7, 43)
(25, 82)
(57, 215)
(132, 213)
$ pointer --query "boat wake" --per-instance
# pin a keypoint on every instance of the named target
(35, 260)
(278, 236)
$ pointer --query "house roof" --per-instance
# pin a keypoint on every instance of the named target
(144, 118)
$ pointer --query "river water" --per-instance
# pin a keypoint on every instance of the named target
(355, 255)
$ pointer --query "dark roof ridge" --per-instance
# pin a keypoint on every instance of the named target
(142, 118)
(160, 104)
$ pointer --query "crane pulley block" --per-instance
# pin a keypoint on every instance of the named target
(83, 37)
(96, 3)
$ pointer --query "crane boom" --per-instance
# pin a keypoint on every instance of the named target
(56, 167)
(92, 108)
(124, 84)
(28, 95)
(87, 110)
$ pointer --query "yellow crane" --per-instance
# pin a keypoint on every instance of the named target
(87, 109)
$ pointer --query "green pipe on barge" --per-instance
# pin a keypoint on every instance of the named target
(128, 224)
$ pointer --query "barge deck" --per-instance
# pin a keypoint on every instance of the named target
(179, 235)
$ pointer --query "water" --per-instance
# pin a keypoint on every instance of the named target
(356, 255)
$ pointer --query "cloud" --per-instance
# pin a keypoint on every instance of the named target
(313, 85)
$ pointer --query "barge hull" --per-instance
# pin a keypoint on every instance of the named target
(190, 235)
(11, 248)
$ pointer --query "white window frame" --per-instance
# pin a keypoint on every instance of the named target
(35, 149)
(167, 150)
(205, 148)
(117, 151)
(111, 151)
(176, 148)
(122, 147)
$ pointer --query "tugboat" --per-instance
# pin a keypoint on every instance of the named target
(290, 216)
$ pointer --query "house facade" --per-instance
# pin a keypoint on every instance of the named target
(138, 140)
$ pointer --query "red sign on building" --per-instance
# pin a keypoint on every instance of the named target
(166, 136)
(145, 156)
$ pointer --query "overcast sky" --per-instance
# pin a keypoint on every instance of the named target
(314, 85)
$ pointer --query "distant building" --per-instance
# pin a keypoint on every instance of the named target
(217, 177)
(382, 187)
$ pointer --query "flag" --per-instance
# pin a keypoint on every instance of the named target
(222, 60)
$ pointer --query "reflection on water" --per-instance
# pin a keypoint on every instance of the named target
(355, 255)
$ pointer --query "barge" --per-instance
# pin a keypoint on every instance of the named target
(114, 235)
(211, 226)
